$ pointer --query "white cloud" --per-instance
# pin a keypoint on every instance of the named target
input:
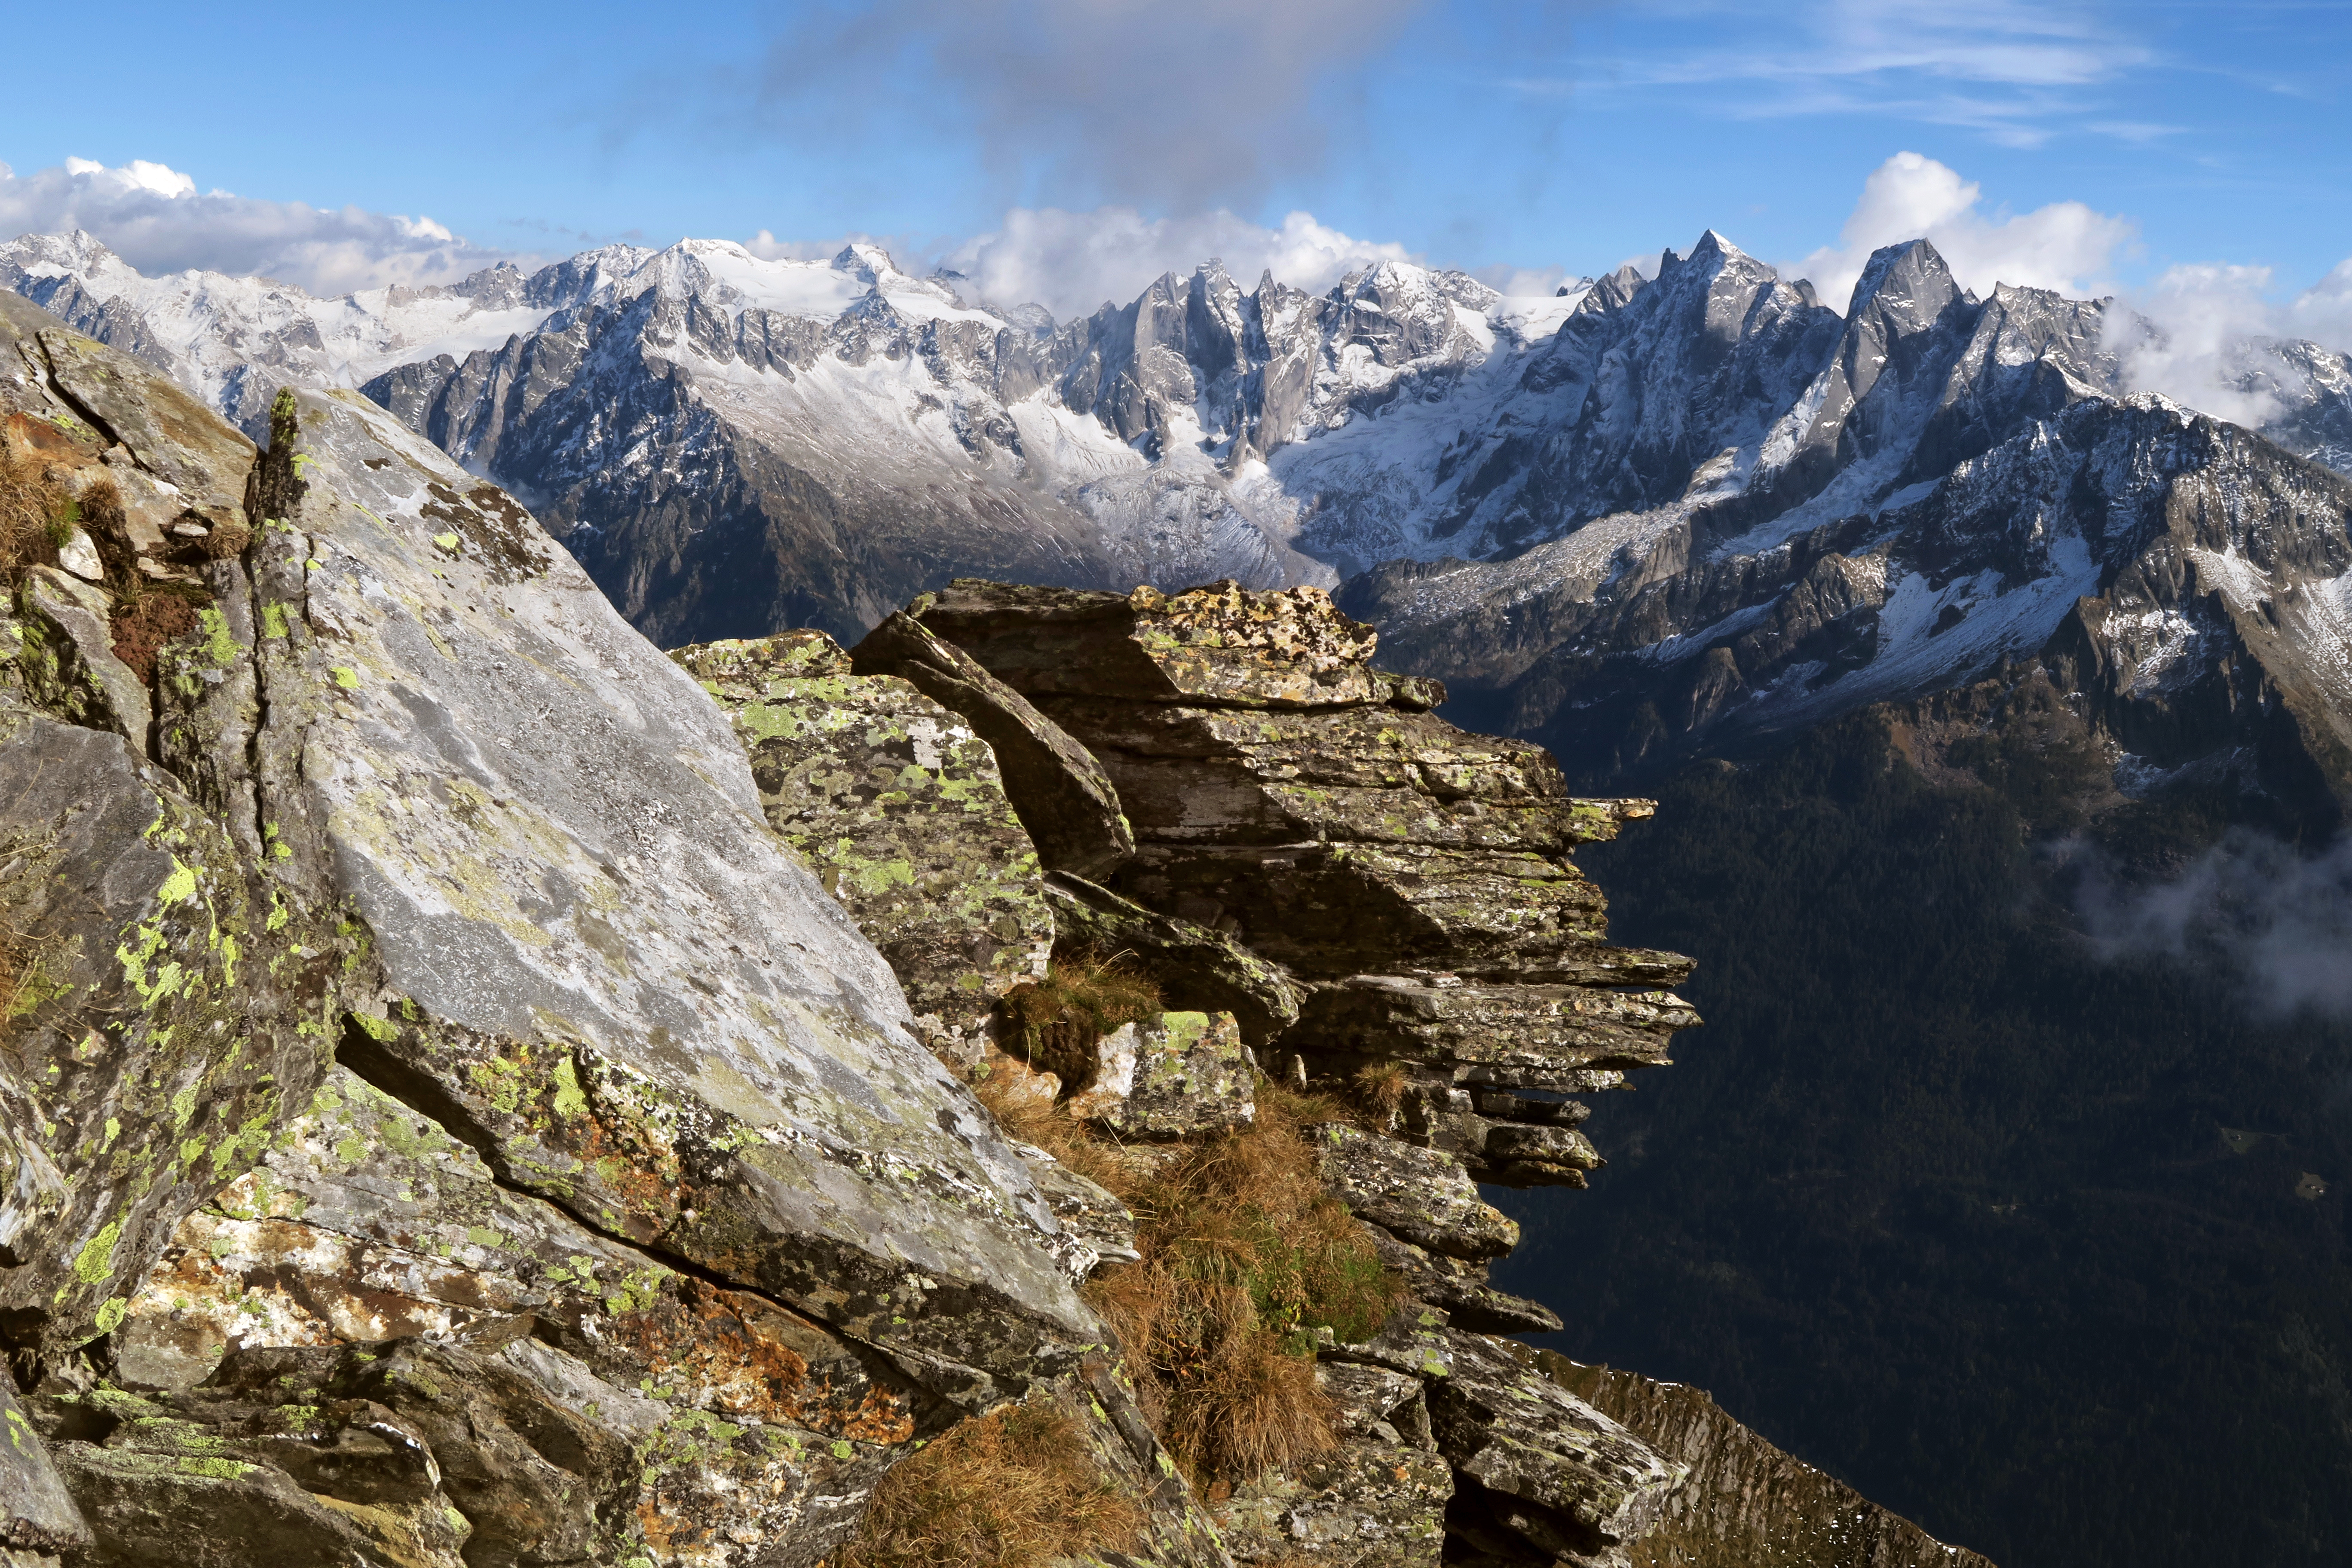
(154, 217)
(2324, 313)
(2066, 246)
(2202, 315)
(1072, 263)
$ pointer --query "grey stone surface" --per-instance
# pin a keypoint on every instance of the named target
(898, 804)
(1421, 1196)
(1558, 1473)
(36, 1513)
(68, 661)
(1178, 1075)
(630, 992)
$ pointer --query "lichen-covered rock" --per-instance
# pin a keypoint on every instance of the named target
(1368, 773)
(368, 1226)
(1459, 1288)
(1066, 801)
(67, 661)
(1744, 1501)
(625, 990)
(1483, 1059)
(37, 1516)
(1376, 1500)
(163, 1006)
(1316, 816)
(168, 435)
(1178, 1075)
(1539, 1462)
(1193, 965)
(1421, 1196)
(1286, 649)
(896, 802)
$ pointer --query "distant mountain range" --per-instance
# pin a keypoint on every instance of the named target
(1637, 518)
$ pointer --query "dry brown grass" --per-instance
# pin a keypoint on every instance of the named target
(1014, 1489)
(1244, 1257)
(35, 514)
(1053, 1024)
(1382, 1085)
(142, 625)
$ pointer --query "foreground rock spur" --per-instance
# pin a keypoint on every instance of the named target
(466, 1094)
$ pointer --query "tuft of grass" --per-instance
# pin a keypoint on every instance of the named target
(1014, 1489)
(1244, 1256)
(36, 513)
(1053, 1024)
(1382, 1086)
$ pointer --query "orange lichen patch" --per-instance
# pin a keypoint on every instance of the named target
(279, 1282)
(736, 1353)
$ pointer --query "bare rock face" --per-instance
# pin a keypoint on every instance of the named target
(1744, 1501)
(895, 802)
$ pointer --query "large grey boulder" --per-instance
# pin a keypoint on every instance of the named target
(598, 963)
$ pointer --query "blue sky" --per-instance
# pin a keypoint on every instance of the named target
(1496, 136)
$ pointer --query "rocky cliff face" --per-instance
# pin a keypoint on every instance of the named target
(455, 1110)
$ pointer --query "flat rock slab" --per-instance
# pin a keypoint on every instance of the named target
(1194, 966)
(896, 802)
(1407, 905)
(1222, 645)
(1517, 1036)
(1178, 1075)
(1421, 1196)
(627, 992)
(1065, 799)
(1589, 1485)
(1360, 773)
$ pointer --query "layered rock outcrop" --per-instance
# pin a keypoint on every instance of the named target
(1409, 881)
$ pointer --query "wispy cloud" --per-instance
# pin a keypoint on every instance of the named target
(1186, 107)
(2011, 70)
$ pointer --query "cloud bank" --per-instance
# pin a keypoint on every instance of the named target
(154, 218)
(2185, 334)
(1072, 263)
